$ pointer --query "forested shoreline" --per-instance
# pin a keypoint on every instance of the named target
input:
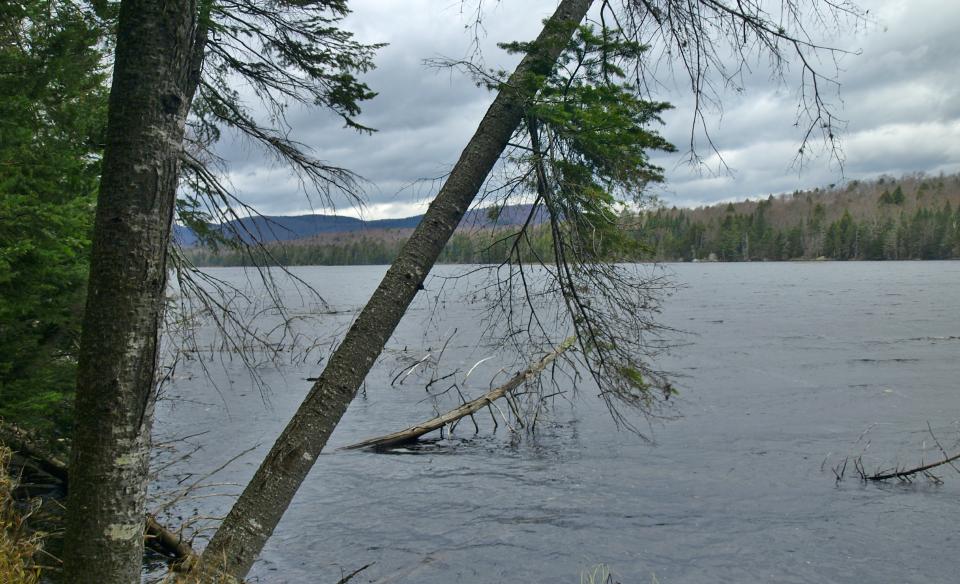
(915, 217)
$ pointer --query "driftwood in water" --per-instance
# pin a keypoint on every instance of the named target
(157, 537)
(413, 432)
(165, 541)
(906, 473)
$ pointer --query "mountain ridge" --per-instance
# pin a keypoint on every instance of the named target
(284, 228)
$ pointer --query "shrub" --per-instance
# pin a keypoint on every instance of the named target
(19, 546)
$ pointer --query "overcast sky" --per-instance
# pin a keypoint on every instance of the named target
(901, 102)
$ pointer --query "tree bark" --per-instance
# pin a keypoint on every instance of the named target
(255, 515)
(155, 74)
(467, 408)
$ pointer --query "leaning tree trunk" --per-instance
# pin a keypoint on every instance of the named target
(251, 521)
(155, 74)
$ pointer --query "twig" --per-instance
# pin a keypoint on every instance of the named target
(350, 576)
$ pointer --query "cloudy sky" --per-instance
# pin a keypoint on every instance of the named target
(900, 101)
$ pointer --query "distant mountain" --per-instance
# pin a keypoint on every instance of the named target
(912, 217)
(269, 229)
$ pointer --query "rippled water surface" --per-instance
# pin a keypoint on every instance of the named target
(787, 369)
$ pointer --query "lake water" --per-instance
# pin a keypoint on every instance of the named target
(786, 368)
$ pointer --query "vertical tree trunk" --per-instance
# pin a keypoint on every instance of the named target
(155, 74)
(256, 513)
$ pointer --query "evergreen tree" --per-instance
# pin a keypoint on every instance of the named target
(897, 198)
(52, 116)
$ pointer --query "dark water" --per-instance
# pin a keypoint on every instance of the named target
(788, 369)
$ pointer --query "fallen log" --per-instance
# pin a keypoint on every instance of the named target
(43, 458)
(156, 536)
(161, 539)
(413, 432)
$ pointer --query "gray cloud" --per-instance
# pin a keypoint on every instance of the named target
(900, 99)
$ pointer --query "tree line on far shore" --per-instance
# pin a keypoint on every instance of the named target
(915, 217)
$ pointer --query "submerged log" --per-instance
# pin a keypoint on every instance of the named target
(156, 536)
(413, 432)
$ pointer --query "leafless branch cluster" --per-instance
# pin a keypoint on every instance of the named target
(172, 459)
(904, 474)
(716, 42)
(611, 308)
(449, 420)
(282, 54)
(526, 404)
(542, 293)
(209, 318)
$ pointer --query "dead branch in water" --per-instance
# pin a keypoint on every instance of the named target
(353, 574)
(162, 539)
(905, 474)
(467, 409)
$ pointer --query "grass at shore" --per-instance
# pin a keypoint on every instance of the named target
(18, 545)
